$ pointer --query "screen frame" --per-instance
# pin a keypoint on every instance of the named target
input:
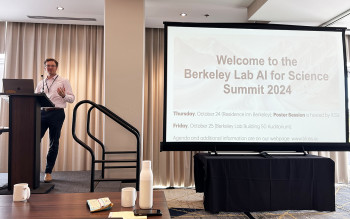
(253, 146)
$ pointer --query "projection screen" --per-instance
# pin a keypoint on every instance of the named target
(254, 87)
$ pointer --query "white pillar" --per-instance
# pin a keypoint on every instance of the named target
(124, 73)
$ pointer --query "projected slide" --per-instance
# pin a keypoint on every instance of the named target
(254, 85)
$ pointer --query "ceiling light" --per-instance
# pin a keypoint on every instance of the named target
(60, 8)
(183, 14)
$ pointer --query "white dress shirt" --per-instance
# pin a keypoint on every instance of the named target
(50, 89)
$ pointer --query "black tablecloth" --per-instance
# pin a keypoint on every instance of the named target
(254, 183)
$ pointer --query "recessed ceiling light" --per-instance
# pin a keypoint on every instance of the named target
(60, 8)
(183, 14)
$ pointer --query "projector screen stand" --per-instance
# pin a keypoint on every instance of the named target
(213, 152)
(265, 154)
(303, 150)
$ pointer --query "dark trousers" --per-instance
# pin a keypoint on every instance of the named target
(52, 120)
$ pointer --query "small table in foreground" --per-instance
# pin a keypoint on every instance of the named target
(70, 205)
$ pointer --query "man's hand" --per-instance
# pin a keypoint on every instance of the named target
(61, 91)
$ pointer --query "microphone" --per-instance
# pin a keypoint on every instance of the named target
(42, 78)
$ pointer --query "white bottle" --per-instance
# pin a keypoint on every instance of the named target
(146, 186)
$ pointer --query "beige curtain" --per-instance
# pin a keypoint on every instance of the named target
(79, 51)
(169, 168)
(2, 37)
(3, 121)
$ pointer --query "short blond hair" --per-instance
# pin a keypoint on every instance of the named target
(51, 59)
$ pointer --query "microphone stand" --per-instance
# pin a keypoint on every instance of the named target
(42, 77)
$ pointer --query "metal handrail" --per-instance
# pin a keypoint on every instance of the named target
(122, 122)
(120, 119)
(115, 118)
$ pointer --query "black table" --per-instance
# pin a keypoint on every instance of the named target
(247, 183)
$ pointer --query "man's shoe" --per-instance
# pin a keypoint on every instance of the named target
(47, 178)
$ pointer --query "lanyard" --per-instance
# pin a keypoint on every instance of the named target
(48, 88)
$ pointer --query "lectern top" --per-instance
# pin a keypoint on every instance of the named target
(43, 100)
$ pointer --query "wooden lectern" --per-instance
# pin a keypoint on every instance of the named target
(24, 138)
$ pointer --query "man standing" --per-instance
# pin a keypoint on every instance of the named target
(59, 91)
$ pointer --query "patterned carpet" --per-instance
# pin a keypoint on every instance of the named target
(186, 203)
